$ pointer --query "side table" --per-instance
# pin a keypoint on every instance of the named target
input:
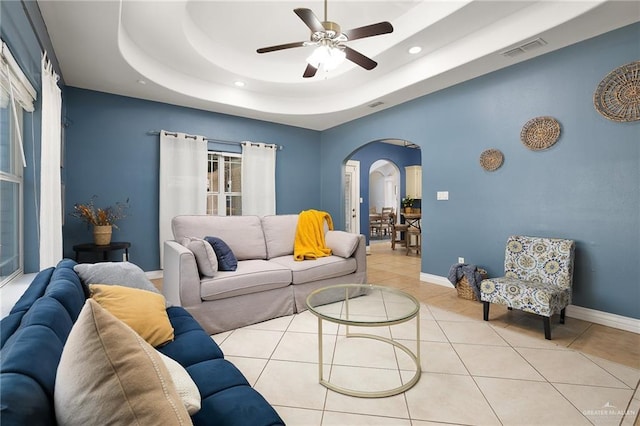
(105, 249)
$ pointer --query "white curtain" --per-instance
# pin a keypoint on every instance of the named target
(258, 179)
(183, 180)
(50, 184)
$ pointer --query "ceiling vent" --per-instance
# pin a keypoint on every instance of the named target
(524, 48)
(376, 104)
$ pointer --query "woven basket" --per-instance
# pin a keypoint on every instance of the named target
(464, 289)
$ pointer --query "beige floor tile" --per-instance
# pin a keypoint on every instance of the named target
(251, 368)
(306, 322)
(292, 384)
(449, 398)
(537, 403)
(435, 357)
(362, 352)
(303, 347)
(602, 406)
(496, 361)
(220, 337)
(276, 324)
(299, 416)
(363, 379)
(341, 419)
(475, 332)
(520, 339)
(630, 376)
(570, 367)
(620, 346)
(251, 343)
(632, 414)
(441, 314)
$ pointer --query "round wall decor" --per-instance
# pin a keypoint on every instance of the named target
(540, 133)
(618, 94)
(491, 159)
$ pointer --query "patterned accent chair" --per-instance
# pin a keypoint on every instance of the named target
(538, 275)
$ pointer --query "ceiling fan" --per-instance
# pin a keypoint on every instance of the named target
(329, 40)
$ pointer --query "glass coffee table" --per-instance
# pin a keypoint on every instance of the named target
(365, 305)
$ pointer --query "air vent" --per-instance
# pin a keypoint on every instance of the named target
(376, 104)
(524, 48)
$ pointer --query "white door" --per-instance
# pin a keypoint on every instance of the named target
(352, 197)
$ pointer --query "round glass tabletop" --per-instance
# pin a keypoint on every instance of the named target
(362, 304)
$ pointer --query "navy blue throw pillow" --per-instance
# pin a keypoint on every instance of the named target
(226, 259)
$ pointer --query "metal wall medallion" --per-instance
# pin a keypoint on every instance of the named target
(618, 94)
(491, 159)
(540, 133)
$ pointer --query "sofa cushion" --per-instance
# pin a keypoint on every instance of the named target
(317, 269)
(252, 276)
(206, 258)
(141, 310)
(341, 243)
(279, 234)
(115, 273)
(185, 386)
(243, 234)
(226, 259)
(108, 372)
(188, 334)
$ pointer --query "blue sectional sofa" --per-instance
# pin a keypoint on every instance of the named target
(33, 335)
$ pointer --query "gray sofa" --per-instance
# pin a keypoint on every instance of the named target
(268, 282)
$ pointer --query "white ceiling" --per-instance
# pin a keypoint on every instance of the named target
(191, 53)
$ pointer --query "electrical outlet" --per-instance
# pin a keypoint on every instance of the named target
(461, 260)
(124, 257)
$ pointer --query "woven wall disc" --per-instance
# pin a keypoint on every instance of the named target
(540, 133)
(491, 159)
(618, 94)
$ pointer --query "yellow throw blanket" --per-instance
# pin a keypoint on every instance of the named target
(309, 242)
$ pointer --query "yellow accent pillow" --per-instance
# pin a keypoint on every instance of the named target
(109, 375)
(141, 310)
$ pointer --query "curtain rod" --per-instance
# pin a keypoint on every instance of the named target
(222, 141)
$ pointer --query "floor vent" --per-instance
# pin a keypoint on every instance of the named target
(524, 48)
(376, 104)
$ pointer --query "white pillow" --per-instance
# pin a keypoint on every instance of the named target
(205, 256)
(186, 387)
(341, 243)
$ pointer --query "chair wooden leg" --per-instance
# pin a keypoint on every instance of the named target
(485, 311)
(562, 316)
(547, 328)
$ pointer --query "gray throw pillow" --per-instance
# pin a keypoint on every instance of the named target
(205, 256)
(115, 273)
(341, 243)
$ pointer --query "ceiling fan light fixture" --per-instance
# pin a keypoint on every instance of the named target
(326, 56)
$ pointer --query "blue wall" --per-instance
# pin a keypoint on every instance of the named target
(110, 154)
(586, 187)
(369, 154)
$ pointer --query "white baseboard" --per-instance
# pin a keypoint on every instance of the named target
(435, 279)
(573, 311)
(154, 275)
(604, 318)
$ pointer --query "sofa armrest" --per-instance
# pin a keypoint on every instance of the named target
(361, 255)
(181, 280)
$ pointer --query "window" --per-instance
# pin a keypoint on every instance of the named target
(16, 95)
(224, 184)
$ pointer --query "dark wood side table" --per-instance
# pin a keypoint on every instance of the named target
(105, 250)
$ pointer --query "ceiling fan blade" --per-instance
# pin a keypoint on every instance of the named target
(359, 59)
(310, 71)
(310, 19)
(369, 30)
(281, 47)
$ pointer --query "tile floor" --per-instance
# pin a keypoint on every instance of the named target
(473, 372)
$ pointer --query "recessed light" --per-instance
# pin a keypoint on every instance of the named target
(415, 49)
(239, 83)
(141, 81)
